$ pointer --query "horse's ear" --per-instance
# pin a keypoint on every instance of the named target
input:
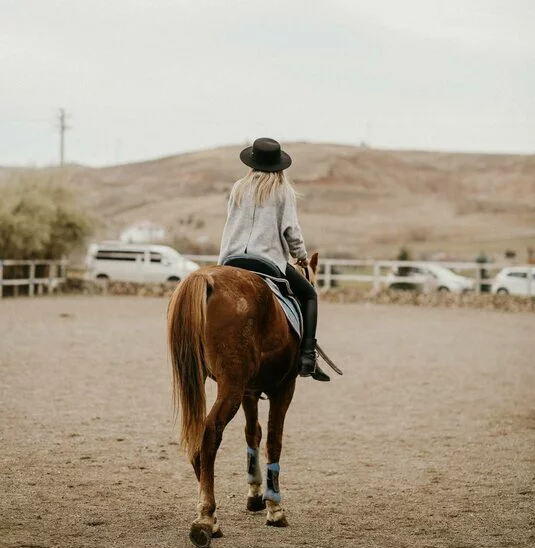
(314, 262)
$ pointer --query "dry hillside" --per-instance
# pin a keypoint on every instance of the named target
(355, 201)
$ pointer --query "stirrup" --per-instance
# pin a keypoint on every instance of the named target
(315, 372)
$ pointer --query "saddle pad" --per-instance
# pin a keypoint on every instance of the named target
(289, 305)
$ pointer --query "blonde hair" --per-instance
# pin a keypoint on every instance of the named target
(263, 184)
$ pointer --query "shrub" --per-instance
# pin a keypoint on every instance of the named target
(40, 219)
(404, 255)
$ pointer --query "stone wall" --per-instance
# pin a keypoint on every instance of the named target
(485, 301)
(340, 295)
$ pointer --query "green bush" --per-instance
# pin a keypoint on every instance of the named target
(404, 254)
(40, 219)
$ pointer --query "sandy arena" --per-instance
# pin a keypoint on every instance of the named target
(428, 440)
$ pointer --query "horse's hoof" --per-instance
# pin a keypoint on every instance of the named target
(217, 534)
(256, 503)
(200, 535)
(283, 522)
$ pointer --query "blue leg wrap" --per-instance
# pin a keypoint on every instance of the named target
(272, 491)
(254, 475)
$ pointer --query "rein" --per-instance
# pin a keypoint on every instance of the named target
(328, 360)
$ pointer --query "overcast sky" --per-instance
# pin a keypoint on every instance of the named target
(148, 78)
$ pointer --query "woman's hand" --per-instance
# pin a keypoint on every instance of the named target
(303, 262)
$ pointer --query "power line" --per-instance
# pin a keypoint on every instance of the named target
(63, 127)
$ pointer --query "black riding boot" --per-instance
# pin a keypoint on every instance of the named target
(308, 365)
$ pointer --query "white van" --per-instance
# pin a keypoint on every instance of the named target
(142, 263)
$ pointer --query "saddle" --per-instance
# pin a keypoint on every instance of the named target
(280, 287)
(276, 281)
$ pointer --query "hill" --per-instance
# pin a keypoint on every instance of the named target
(355, 201)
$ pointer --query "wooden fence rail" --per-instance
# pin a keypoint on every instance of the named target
(36, 276)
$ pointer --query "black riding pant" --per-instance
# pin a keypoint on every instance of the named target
(306, 295)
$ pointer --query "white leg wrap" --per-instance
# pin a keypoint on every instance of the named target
(254, 474)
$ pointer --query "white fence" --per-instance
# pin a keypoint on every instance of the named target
(36, 276)
(47, 276)
(379, 272)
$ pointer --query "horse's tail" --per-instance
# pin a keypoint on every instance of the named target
(186, 319)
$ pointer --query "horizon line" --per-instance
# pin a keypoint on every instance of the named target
(362, 146)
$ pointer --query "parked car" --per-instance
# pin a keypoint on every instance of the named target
(123, 262)
(429, 277)
(514, 280)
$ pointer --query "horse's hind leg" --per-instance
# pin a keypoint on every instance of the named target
(205, 526)
(253, 435)
(278, 406)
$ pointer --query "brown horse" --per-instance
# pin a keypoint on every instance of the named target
(226, 324)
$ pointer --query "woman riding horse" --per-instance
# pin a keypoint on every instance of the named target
(262, 220)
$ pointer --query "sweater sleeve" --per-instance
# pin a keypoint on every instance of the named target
(290, 229)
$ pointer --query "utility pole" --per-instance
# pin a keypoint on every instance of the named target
(63, 127)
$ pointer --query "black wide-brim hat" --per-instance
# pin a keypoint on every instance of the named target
(265, 155)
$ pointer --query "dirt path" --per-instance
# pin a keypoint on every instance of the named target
(427, 441)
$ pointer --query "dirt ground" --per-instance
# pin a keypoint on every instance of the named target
(427, 441)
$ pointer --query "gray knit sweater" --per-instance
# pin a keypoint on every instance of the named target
(271, 230)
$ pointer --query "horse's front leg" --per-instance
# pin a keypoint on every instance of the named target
(278, 406)
(253, 436)
(205, 526)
